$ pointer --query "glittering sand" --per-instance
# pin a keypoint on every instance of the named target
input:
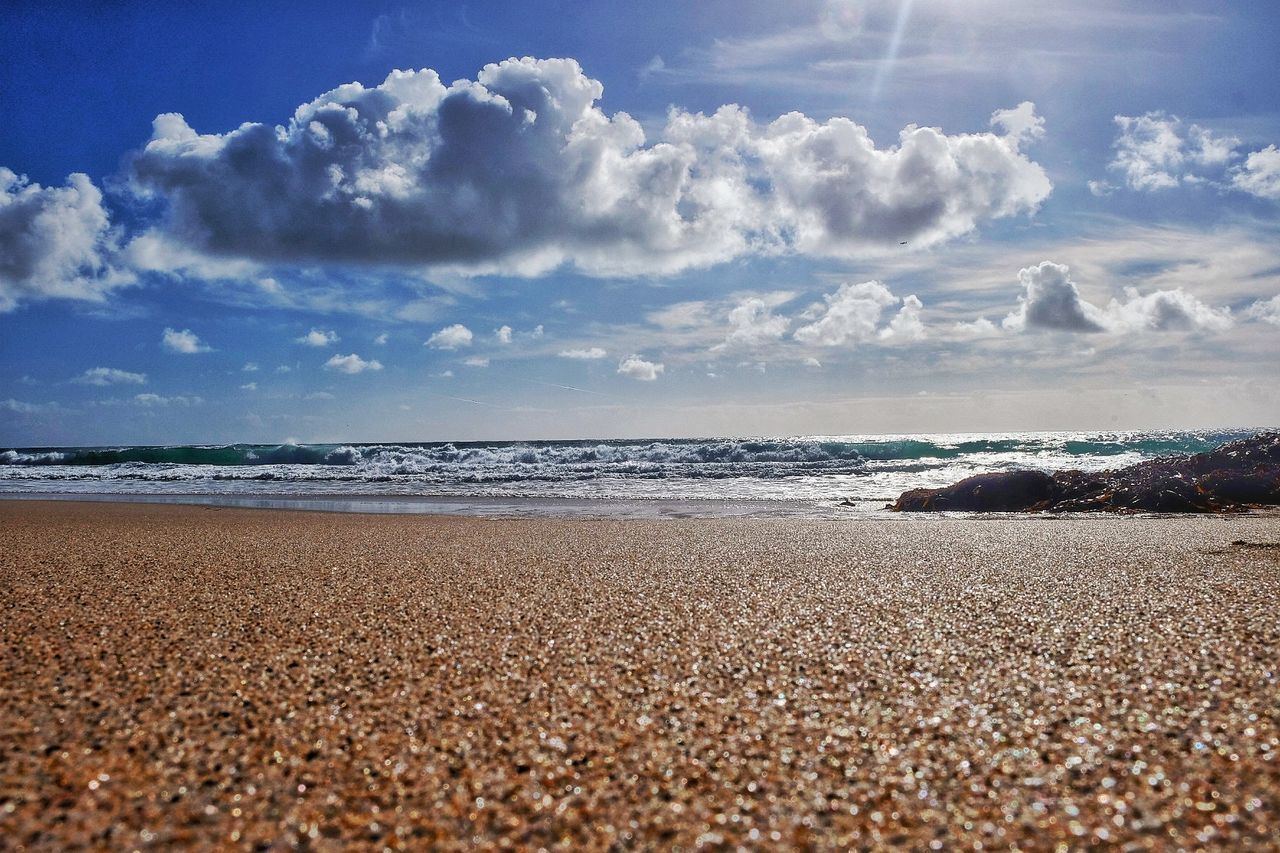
(194, 676)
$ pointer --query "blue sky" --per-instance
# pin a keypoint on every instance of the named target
(407, 221)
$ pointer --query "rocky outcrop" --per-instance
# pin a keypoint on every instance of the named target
(1233, 477)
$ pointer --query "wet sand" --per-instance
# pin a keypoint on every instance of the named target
(239, 678)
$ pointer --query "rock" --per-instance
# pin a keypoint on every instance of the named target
(1230, 478)
(1008, 492)
(1259, 486)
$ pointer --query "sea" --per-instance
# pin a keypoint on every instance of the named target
(817, 476)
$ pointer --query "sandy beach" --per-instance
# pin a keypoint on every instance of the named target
(237, 678)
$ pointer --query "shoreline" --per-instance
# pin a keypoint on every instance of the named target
(480, 506)
(176, 676)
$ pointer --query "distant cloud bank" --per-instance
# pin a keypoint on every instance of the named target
(1051, 300)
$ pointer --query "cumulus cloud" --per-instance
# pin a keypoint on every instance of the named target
(520, 171)
(154, 251)
(55, 242)
(318, 338)
(1051, 300)
(850, 315)
(1021, 122)
(752, 322)
(590, 354)
(1260, 174)
(635, 367)
(185, 342)
(351, 364)
(1266, 310)
(906, 325)
(979, 328)
(110, 376)
(381, 339)
(476, 361)
(1154, 152)
(249, 386)
(250, 367)
(451, 337)
(502, 334)
(1164, 310)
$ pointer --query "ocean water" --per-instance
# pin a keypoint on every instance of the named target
(815, 475)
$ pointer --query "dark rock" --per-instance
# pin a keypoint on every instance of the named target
(1259, 486)
(1009, 492)
(1230, 478)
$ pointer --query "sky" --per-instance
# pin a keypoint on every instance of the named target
(438, 221)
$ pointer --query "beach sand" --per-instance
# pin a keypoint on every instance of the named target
(221, 677)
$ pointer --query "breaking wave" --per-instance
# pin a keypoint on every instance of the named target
(805, 467)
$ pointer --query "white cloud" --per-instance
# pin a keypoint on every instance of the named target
(752, 322)
(537, 332)
(502, 334)
(351, 364)
(1260, 174)
(1021, 122)
(906, 325)
(249, 386)
(1148, 151)
(55, 242)
(851, 314)
(811, 362)
(444, 374)
(653, 66)
(23, 408)
(1155, 152)
(157, 252)
(476, 361)
(419, 173)
(979, 328)
(250, 367)
(681, 315)
(584, 354)
(157, 400)
(110, 376)
(381, 339)
(635, 367)
(1051, 300)
(451, 337)
(1266, 310)
(185, 342)
(318, 338)
(1164, 310)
